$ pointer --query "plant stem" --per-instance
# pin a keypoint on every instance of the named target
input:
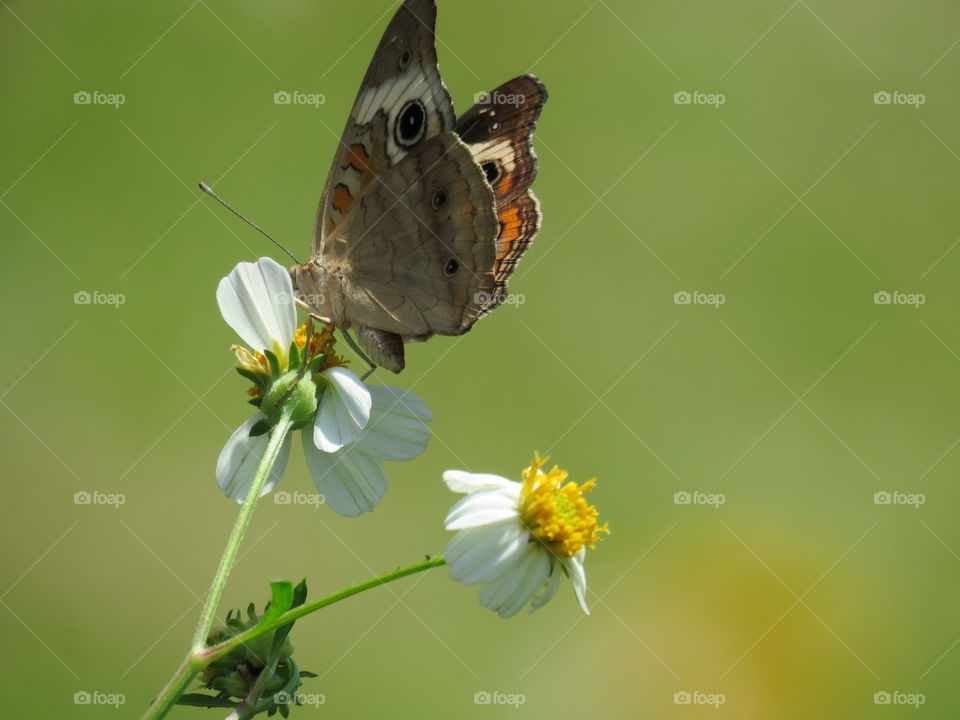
(194, 663)
(277, 436)
(215, 652)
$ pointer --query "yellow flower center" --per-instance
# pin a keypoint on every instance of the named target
(321, 343)
(555, 511)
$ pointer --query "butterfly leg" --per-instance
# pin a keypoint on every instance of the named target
(363, 356)
(306, 308)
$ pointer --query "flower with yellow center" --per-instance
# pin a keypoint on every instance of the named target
(517, 539)
(348, 429)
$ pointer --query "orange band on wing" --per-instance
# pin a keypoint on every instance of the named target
(511, 228)
(342, 199)
(358, 159)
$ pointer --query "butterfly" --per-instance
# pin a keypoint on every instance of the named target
(424, 215)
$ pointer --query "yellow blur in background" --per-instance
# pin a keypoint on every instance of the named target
(739, 316)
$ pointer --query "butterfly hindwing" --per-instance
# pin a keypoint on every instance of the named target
(499, 132)
(418, 251)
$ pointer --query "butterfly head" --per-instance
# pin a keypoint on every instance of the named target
(313, 287)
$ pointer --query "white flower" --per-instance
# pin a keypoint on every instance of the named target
(355, 427)
(516, 539)
(352, 479)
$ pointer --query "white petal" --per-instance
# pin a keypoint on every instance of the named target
(481, 508)
(482, 554)
(240, 458)
(547, 593)
(578, 577)
(464, 482)
(344, 410)
(508, 593)
(533, 580)
(398, 424)
(351, 481)
(256, 300)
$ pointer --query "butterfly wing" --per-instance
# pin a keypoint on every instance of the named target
(401, 103)
(499, 132)
(417, 253)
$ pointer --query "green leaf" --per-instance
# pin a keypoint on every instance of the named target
(274, 363)
(253, 377)
(260, 428)
(294, 355)
(281, 600)
(300, 593)
(298, 597)
(205, 701)
(316, 363)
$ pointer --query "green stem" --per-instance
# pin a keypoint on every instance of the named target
(229, 558)
(216, 652)
(193, 664)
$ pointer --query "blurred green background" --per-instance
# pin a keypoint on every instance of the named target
(797, 200)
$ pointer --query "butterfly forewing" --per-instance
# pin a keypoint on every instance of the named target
(402, 102)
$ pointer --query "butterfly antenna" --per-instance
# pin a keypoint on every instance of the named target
(209, 191)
